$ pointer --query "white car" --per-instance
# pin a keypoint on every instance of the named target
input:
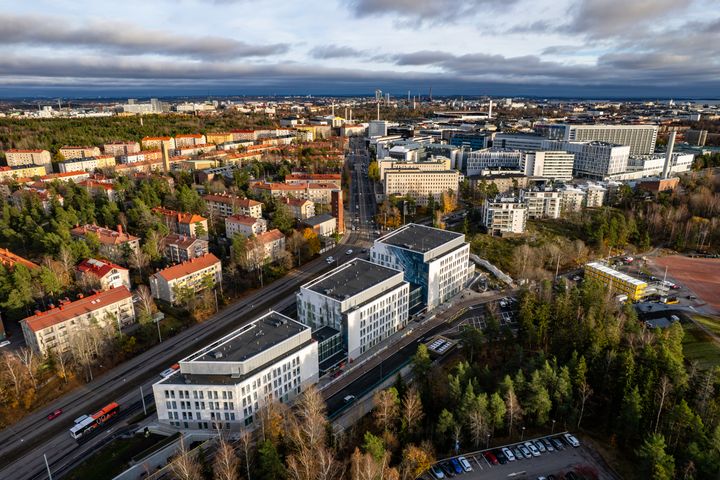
(533, 449)
(508, 454)
(329, 259)
(465, 464)
(570, 439)
(4, 343)
(349, 252)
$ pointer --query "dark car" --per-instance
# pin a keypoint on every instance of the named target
(491, 458)
(571, 476)
(501, 457)
(456, 465)
(448, 469)
(557, 444)
(55, 414)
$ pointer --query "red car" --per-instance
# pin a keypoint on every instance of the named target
(491, 458)
(55, 414)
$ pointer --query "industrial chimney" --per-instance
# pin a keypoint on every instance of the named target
(490, 110)
(668, 155)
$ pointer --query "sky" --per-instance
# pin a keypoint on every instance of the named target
(560, 48)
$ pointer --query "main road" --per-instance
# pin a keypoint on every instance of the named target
(24, 444)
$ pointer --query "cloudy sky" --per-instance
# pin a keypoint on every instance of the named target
(650, 48)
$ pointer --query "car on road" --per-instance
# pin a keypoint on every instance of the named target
(571, 440)
(576, 278)
(540, 446)
(55, 414)
(4, 343)
(533, 449)
(349, 398)
(437, 472)
(491, 458)
(508, 454)
(349, 251)
(457, 466)
(465, 464)
(557, 444)
(330, 259)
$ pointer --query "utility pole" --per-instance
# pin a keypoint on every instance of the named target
(48, 467)
(142, 397)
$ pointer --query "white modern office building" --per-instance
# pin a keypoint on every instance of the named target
(378, 128)
(364, 301)
(640, 138)
(223, 385)
(421, 184)
(492, 159)
(432, 260)
(555, 165)
(527, 142)
(597, 160)
(504, 215)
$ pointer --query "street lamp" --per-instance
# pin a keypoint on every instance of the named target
(522, 435)
(487, 441)
(553, 428)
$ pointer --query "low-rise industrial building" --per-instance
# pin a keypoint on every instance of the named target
(616, 281)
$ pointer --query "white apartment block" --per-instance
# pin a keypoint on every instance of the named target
(595, 196)
(555, 165)
(435, 261)
(19, 158)
(420, 184)
(190, 274)
(244, 225)
(365, 301)
(224, 205)
(188, 140)
(118, 149)
(432, 164)
(492, 159)
(572, 199)
(79, 152)
(542, 203)
(87, 164)
(158, 142)
(504, 215)
(224, 385)
(55, 329)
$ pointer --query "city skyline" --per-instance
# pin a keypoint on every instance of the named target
(569, 48)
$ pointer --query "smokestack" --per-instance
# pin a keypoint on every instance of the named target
(165, 157)
(378, 110)
(490, 110)
(668, 155)
(351, 115)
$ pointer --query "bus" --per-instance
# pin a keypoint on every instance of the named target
(88, 423)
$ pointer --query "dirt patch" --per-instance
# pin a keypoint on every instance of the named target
(699, 275)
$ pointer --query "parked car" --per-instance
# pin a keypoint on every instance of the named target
(448, 469)
(508, 454)
(532, 448)
(437, 472)
(349, 251)
(55, 414)
(501, 457)
(465, 464)
(571, 476)
(4, 343)
(571, 440)
(691, 297)
(520, 452)
(456, 465)
(557, 444)
(492, 459)
(548, 445)
(540, 446)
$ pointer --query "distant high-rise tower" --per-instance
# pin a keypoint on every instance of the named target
(490, 110)
(669, 154)
(336, 202)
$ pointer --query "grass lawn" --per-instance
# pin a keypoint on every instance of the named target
(710, 323)
(113, 459)
(698, 346)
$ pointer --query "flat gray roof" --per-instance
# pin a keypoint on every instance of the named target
(419, 238)
(318, 219)
(350, 279)
(248, 341)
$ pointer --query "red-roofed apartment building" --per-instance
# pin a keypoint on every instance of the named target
(9, 259)
(106, 274)
(18, 158)
(189, 139)
(181, 248)
(244, 225)
(114, 244)
(191, 274)
(184, 223)
(273, 242)
(53, 329)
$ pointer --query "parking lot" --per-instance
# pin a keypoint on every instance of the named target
(555, 464)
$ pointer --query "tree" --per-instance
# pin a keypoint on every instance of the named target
(538, 402)
(138, 259)
(657, 463)
(497, 411)
(445, 424)
(421, 362)
(412, 410)
(374, 171)
(512, 406)
(663, 390)
(313, 241)
(270, 466)
(386, 408)
(415, 461)
(225, 466)
(146, 304)
(282, 219)
(185, 466)
(374, 446)
(246, 442)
